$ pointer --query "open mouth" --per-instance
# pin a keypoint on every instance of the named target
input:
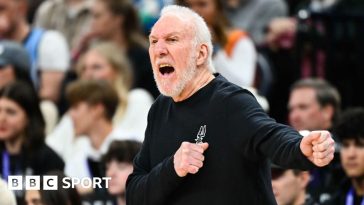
(166, 69)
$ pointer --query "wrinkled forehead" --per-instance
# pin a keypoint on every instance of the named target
(169, 24)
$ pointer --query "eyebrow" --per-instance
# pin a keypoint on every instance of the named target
(167, 35)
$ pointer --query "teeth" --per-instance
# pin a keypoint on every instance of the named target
(165, 65)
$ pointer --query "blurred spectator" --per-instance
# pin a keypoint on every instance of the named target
(61, 196)
(7, 197)
(48, 50)
(254, 15)
(103, 61)
(119, 164)
(70, 17)
(234, 53)
(318, 41)
(22, 135)
(15, 65)
(314, 104)
(117, 21)
(93, 105)
(350, 132)
(289, 186)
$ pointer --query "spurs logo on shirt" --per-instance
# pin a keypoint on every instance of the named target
(201, 134)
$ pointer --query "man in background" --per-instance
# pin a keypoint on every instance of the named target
(314, 104)
(48, 50)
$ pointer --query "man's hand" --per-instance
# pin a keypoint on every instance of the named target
(189, 158)
(318, 147)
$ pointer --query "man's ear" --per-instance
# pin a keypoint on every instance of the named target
(202, 55)
(304, 179)
(328, 112)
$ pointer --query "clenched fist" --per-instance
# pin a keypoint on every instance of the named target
(189, 158)
(318, 147)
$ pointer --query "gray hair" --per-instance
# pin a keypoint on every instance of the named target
(203, 35)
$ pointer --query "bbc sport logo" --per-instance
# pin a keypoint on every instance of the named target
(50, 182)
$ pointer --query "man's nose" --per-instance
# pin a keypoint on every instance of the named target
(293, 115)
(351, 151)
(160, 49)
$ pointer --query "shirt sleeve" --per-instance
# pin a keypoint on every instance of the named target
(54, 53)
(150, 185)
(261, 136)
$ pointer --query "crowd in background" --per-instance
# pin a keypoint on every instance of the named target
(76, 85)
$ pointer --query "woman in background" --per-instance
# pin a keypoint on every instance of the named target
(22, 147)
(117, 21)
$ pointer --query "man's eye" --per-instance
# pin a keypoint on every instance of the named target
(172, 40)
(153, 41)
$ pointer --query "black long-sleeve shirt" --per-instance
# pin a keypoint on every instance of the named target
(236, 170)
